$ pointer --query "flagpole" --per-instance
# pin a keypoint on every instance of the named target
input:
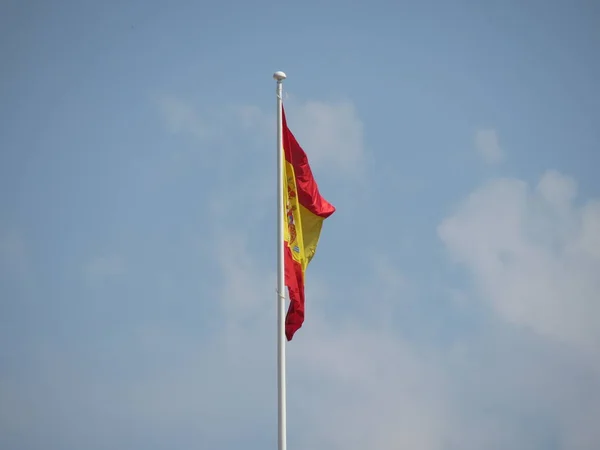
(282, 439)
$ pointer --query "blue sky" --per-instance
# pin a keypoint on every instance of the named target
(454, 299)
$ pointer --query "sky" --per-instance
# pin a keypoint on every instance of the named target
(454, 300)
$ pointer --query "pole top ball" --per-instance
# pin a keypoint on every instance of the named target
(279, 76)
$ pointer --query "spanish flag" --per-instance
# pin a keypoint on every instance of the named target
(305, 212)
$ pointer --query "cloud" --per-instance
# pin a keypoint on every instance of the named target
(356, 383)
(331, 133)
(255, 121)
(488, 147)
(533, 255)
(181, 117)
(363, 387)
(356, 377)
(379, 389)
(243, 294)
(352, 383)
(102, 268)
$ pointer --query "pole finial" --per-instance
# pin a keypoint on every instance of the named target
(279, 76)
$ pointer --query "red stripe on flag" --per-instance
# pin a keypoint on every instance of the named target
(294, 280)
(308, 191)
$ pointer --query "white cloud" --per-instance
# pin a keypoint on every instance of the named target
(534, 255)
(255, 120)
(352, 383)
(331, 133)
(362, 387)
(488, 147)
(356, 381)
(181, 117)
(245, 290)
(355, 384)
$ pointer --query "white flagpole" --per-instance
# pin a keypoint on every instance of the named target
(282, 440)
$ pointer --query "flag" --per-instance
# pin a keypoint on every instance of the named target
(305, 210)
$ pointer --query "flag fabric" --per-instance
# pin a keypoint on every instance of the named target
(305, 211)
